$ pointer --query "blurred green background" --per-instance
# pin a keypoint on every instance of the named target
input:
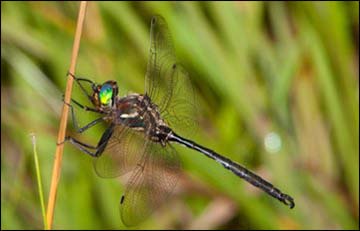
(278, 91)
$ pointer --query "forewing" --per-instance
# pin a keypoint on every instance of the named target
(181, 111)
(159, 73)
(151, 183)
(167, 82)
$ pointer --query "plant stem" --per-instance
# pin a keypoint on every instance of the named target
(64, 117)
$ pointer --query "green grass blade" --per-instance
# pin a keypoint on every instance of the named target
(38, 176)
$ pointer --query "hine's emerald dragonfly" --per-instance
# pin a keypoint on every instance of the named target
(141, 131)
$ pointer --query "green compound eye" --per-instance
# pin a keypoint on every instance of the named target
(105, 94)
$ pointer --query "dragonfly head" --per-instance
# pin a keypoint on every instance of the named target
(104, 94)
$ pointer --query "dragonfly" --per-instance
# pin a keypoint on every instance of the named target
(142, 129)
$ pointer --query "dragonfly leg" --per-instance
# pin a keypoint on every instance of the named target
(78, 81)
(99, 149)
(82, 146)
(86, 108)
(76, 124)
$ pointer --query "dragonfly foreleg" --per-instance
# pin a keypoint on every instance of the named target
(78, 81)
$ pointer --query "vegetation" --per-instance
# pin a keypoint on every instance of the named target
(278, 91)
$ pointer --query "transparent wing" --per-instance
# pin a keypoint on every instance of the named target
(181, 111)
(167, 82)
(122, 152)
(161, 60)
(150, 184)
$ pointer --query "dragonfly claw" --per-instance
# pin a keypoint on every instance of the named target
(71, 74)
(62, 142)
(288, 200)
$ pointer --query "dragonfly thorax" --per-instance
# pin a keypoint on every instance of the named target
(139, 113)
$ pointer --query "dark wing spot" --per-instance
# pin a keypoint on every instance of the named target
(122, 199)
(174, 66)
